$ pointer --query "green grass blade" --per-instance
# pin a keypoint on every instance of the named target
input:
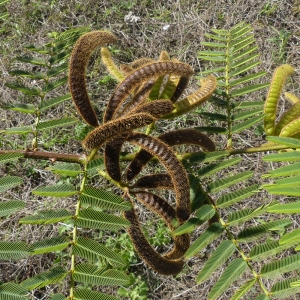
(9, 207)
(217, 259)
(234, 271)
(9, 182)
(57, 190)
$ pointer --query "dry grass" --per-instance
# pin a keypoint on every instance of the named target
(175, 26)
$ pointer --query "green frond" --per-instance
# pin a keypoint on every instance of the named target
(234, 271)
(286, 141)
(283, 190)
(254, 232)
(92, 251)
(217, 259)
(14, 250)
(284, 156)
(214, 168)
(285, 171)
(54, 101)
(18, 130)
(9, 182)
(290, 237)
(20, 107)
(246, 114)
(23, 89)
(47, 217)
(229, 181)
(9, 207)
(57, 297)
(55, 84)
(236, 196)
(50, 245)
(283, 289)
(52, 276)
(85, 294)
(58, 190)
(289, 208)
(243, 289)
(246, 124)
(243, 215)
(89, 274)
(65, 169)
(9, 157)
(91, 218)
(269, 249)
(277, 268)
(207, 237)
(99, 197)
(13, 291)
(45, 125)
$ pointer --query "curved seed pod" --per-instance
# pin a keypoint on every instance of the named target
(110, 65)
(140, 75)
(154, 94)
(164, 55)
(201, 95)
(172, 138)
(163, 209)
(126, 69)
(182, 84)
(169, 87)
(277, 83)
(141, 62)
(291, 129)
(112, 155)
(96, 138)
(148, 254)
(154, 181)
(291, 97)
(82, 50)
(174, 167)
(155, 108)
(287, 117)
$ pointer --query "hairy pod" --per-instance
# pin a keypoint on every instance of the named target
(154, 181)
(140, 75)
(181, 85)
(141, 62)
(126, 69)
(172, 138)
(82, 50)
(291, 129)
(156, 108)
(174, 167)
(164, 55)
(109, 130)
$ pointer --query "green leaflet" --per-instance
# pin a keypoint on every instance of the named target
(245, 114)
(229, 181)
(246, 124)
(57, 70)
(23, 89)
(283, 190)
(278, 267)
(262, 297)
(9, 207)
(99, 197)
(284, 156)
(47, 217)
(197, 193)
(289, 208)
(57, 297)
(45, 125)
(290, 237)
(12, 291)
(217, 259)
(85, 294)
(287, 141)
(58, 190)
(207, 157)
(91, 218)
(54, 101)
(50, 245)
(14, 250)
(66, 169)
(33, 60)
(254, 232)
(9, 157)
(54, 84)
(92, 251)
(89, 274)
(284, 288)
(21, 107)
(209, 235)
(9, 182)
(250, 104)
(52, 276)
(31, 75)
(234, 271)
(243, 289)
(230, 198)
(18, 130)
(285, 170)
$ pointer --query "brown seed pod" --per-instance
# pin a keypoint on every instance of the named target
(174, 167)
(164, 55)
(177, 137)
(141, 62)
(126, 69)
(148, 254)
(156, 108)
(139, 76)
(154, 181)
(109, 130)
(82, 50)
(182, 84)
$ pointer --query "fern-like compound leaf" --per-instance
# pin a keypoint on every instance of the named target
(284, 156)
(46, 104)
(292, 169)
(283, 288)
(9, 207)
(14, 250)
(9, 182)
(287, 141)
(288, 208)
(50, 245)
(93, 251)
(87, 274)
(99, 197)
(229, 199)
(46, 125)
(242, 290)
(247, 124)
(57, 70)
(254, 232)
(55, 84)
(217, 259)
(23, 89)
(47, 217)
(207, 237)
(91, 218)
(20, 107)
(13, 291)
(57, 190)
(66, 169)
(86, 294)
(234, 271)
(276, 268)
